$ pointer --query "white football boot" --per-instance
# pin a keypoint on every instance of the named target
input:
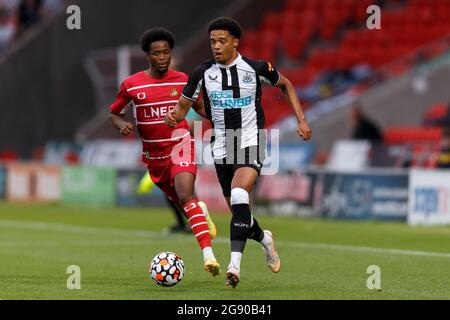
(232, 277)
(272, 259)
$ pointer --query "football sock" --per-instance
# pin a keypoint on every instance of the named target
(256, 233)
(266, 241)
(241, 220)
(235, 260)
(198, 223)
(208, 254)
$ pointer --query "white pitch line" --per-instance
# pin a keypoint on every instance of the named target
(56, 243)
(44, 226)
(339, 247)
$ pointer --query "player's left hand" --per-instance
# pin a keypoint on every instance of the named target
(170, 119)
(303, 130)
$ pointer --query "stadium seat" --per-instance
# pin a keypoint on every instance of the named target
(360, 10)
(295, 41)
(8, 155)
(300, 77)
(271, 21)
(410, 135)
(435, 112)
(291, 33)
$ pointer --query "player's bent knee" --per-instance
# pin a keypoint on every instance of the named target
(239, 196)
(184, 197)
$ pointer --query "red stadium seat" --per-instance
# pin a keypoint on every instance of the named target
(8, 155)
(294, 5)
(250, 40)
(360, 10)
(301, 5)
(291, 32)
(294, 42)
(300, 77)
(248, 52)
(267, 53)
(436, 111)
(408, 135)
(272, 21)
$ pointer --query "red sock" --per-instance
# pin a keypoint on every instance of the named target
(198, 223)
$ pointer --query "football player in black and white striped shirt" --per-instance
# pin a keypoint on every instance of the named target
(231, 87)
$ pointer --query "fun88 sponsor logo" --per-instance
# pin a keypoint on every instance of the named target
(225, 100)
(432, 200)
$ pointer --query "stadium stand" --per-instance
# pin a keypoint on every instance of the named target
(341, 42)
(324, 58)
(18, 16)
(43, 59)
(8, 24)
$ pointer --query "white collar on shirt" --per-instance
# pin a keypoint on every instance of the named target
(235, 62)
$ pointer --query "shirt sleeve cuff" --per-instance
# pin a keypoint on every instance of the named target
(191, 99)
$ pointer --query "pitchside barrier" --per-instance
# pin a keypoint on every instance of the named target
(32, 182)
(112, 153)
(208, 189)
(2, 182)
(429, 197)
(127, 190)
(289, 193)
(370, 195)
(417, 196)
(380, 194)
(83, 185)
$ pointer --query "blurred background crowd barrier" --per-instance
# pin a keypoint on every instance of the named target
(415, 195)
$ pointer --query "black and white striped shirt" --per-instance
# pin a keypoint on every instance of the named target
(232, 97)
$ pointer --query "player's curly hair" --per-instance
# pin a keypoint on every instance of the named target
(228, 24)
(156, 34)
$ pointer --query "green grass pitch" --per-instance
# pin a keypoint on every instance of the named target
(320, 259)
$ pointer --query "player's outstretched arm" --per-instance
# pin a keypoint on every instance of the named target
(125, 128)
(179, 112)
(199, 107)
(291, 96)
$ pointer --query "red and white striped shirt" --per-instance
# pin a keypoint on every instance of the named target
(152, 98)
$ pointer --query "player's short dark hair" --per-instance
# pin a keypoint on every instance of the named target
(156, 34)
(228, 24)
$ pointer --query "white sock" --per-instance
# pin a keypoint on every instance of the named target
(208, 254)
(266, 241)
(236, 260)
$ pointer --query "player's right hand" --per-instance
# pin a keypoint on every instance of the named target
(170, 119)
(303, 130)
(126, 129)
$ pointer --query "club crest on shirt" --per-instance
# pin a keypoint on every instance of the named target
(247, 77)
(269, 66)
(174, 92)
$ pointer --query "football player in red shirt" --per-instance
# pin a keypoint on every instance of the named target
(168, 152)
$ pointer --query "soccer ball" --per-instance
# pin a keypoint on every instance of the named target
(167, 269)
